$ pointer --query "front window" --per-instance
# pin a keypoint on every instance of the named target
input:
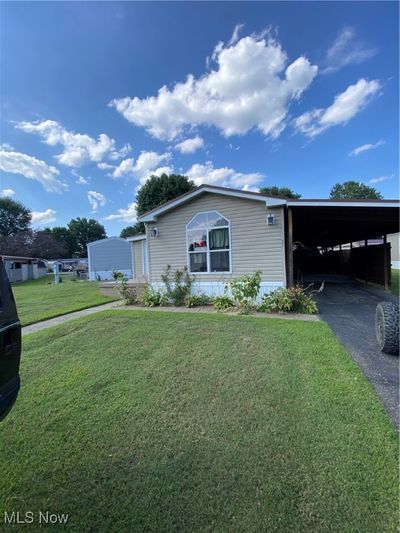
(209, 243)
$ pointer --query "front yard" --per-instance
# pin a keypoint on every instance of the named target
(41, 299)
(138, 421)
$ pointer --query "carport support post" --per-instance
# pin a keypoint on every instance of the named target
(289, 247)
(386, 276)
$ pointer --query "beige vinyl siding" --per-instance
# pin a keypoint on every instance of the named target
(138, 258)
(254, 246)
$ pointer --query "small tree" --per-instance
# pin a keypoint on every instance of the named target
(131, 231)
(354, 190)
(46, 246)
(82, 232)
(160, 189)
(63, 236)
(283, 192)
(14, 217)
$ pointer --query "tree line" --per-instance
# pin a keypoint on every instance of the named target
(18, 238)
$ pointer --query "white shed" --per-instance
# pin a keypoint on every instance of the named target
(107, 256)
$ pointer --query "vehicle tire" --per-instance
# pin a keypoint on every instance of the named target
(387, 327)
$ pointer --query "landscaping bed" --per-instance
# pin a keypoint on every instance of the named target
(197, 422)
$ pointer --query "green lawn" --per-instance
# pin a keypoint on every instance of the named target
(156, 421)
(395, 281)
(40, 299)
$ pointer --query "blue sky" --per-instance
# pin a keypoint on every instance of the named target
(97, 96)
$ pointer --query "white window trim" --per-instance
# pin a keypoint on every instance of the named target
(208, 252)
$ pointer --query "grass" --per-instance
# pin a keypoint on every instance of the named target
(395, 281)
(41, 299)
(138, 421)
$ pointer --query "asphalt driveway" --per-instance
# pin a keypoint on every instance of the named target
(349, 309)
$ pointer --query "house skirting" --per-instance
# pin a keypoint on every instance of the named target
(217, 288)
(107, 275)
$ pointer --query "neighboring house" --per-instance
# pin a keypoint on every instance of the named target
(107, 256)
(23, 268)
(221, 233)
(394, 241)
(69, 265)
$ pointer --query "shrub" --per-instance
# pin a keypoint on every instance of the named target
(244, 290)
(154, 298)
(128, 294)
(196, 300)
(291, 300)
(118, 275)
(223, 302)
(179, 287)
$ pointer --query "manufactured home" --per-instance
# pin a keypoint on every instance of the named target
(220, 233)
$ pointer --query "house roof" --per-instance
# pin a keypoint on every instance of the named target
(20, 258)
(140, 237)
(104, 240)
(270, 201)
(225, 191)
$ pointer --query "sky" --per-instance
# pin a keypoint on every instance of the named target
(97, 96)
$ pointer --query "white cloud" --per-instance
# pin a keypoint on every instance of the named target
(7, 192)
(79, 149)
(40, 218)
(105, 166)
(32, 168)
(225, 177)
(80, 180)
(366, 147)
(96, 199)
(142, 168)
(127, 215)
(235, 35)
(189, 146)
(346, 50)
(380, 179)
(163, 170)
(345, 106)
(251, 87)
(123, 152)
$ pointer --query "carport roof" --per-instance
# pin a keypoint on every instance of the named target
(332, 222)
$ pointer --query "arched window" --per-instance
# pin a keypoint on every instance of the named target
(208, 241)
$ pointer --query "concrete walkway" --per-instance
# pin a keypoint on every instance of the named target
(32, 328)
(349, 309)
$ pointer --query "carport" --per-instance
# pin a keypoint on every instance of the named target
(325, 238)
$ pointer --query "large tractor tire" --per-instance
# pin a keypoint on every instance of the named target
(387, 327)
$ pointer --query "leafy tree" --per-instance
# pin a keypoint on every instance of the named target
(354, 190)
(160, 189)
(63, 236)
(14, 217)
(18, 244)
(83, 231)
(284, 192)
(131, 231)
(46, 246)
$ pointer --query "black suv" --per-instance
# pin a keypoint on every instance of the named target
(10, 345)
